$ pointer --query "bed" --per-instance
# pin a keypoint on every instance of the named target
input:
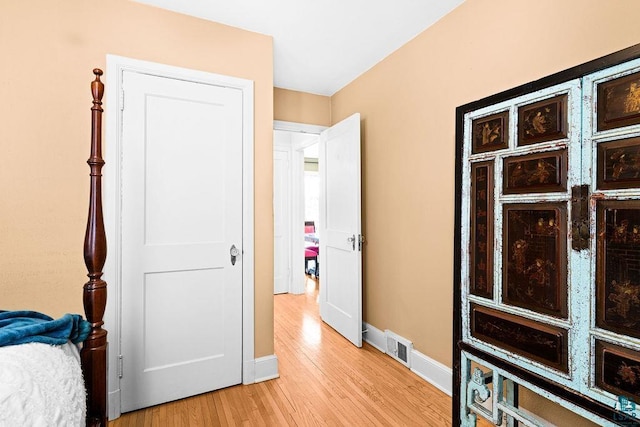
(50, 381)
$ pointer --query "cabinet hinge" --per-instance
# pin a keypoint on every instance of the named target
(120, 366)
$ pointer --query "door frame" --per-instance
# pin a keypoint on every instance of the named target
(116, 65)
(297, 196)
(287, 151)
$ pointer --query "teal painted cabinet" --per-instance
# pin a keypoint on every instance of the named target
(547, 286)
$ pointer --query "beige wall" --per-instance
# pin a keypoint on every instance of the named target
(408, 106)
(48, 50)
(301, 107)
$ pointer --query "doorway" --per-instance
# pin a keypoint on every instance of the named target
(311, 200)
(339, 224)
(290, 142)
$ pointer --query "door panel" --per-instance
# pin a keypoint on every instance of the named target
(181, 212)
(162, 296)
(340, 229)
(175, 212)
(339, 296)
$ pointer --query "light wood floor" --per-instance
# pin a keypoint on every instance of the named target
(324, 380)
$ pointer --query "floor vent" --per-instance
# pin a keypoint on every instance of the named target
(399, 348)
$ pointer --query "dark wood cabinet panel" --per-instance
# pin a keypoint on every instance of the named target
(481, 250)
(619, 102)
(618, 370)
(535, 340)
(535, 257)
(490, 133)
(619, 164)
(543, 121)
(618, 266)
(535, 173)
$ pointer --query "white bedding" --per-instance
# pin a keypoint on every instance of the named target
(41, 385)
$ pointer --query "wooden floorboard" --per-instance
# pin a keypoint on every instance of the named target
(324, 381)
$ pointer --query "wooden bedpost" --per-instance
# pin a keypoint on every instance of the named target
(94, 350)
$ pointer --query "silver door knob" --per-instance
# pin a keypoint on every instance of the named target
(234, 252)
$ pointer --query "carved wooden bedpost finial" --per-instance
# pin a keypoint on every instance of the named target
(94, 350)
(97, 88)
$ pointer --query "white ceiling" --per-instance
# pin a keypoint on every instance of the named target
(322, 45)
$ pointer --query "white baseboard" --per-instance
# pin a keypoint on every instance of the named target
(266, 368)
(374, 336)
(249, 372)
(432, 371)
(113, 404)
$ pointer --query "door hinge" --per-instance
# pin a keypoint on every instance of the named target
(120, 366)
(352, 239)
(122, 100)
(360, 241)
(580, 232)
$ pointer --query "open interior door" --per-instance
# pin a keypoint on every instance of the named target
(340, 228)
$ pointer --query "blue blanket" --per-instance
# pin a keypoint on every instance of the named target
(20, 327)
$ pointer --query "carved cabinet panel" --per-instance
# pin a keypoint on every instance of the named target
(548, 292)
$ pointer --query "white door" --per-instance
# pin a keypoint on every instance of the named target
(181, 214)
(282, 221)
(340, 229)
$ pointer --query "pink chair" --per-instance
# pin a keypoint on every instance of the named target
(311, 251)
(311, 254)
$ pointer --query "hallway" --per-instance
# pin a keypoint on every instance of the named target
(332, 382)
